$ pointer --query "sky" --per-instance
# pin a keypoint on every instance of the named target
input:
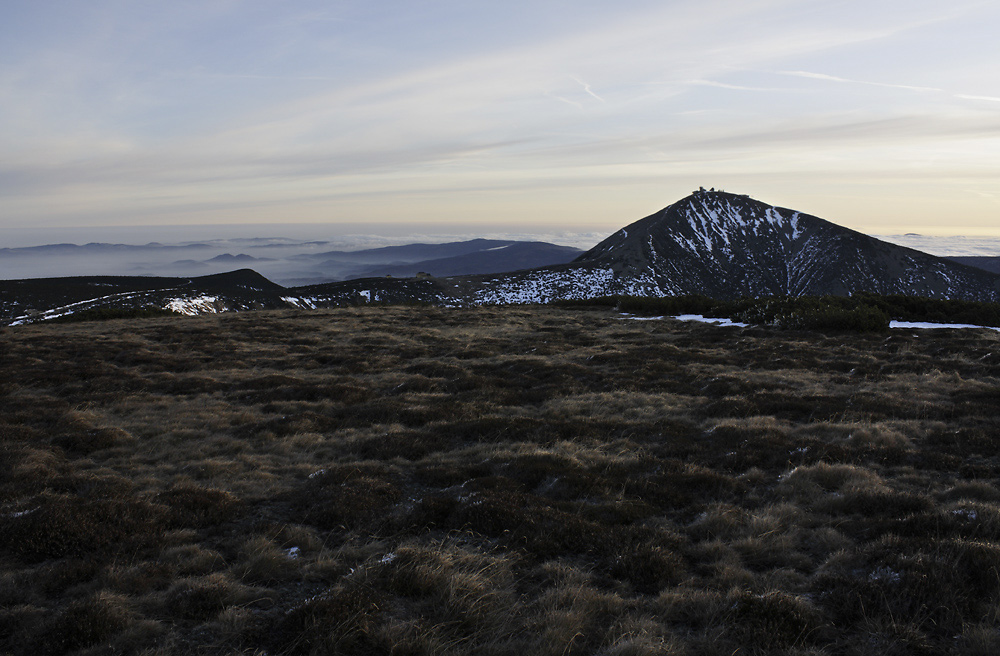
(881, 115)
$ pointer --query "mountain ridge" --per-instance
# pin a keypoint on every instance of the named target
(710, 243)
(511, 257)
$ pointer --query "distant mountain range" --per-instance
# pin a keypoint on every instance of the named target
(711, 243)
(411, 252)
(287, 262)
(512, 256)
(979, 261)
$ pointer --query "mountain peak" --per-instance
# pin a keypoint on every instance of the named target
(728, 245)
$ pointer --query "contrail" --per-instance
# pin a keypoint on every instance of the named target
(566, 100)
(587, 89)
(966, 97)
(834, 78)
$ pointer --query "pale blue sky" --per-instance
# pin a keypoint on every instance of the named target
(880, 115)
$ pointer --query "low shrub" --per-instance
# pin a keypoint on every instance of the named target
(860, 312)
(815, 313)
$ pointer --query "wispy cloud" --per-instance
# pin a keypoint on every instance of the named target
(587, 89)
(905, 87)
(834, 78)
(986, 98)
(736, 87)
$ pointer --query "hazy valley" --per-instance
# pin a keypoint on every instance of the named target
(710, 243)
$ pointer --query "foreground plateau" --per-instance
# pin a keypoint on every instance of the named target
(518, 480)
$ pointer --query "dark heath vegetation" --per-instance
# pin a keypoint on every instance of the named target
(496, 480)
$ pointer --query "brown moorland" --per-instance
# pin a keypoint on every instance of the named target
(499, 480)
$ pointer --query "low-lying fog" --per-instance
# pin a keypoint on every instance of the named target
(948, 246)
(289, 254)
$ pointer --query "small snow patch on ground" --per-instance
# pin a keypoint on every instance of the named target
(884, 574)
(635, 318)
(715, 320)
(691, 317)
(925, 324)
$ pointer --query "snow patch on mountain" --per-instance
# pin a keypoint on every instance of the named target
(300, 302)
(195, 305)
(545, 286)
(72, 308)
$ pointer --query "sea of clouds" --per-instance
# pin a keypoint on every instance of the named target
(280, 252)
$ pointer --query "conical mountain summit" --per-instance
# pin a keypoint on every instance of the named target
(730, 246)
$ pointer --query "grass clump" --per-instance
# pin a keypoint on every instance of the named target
(773, 620)
(82, 623)
(62, 525)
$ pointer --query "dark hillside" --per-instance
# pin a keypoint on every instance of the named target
(40, 298)
(516, 480)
